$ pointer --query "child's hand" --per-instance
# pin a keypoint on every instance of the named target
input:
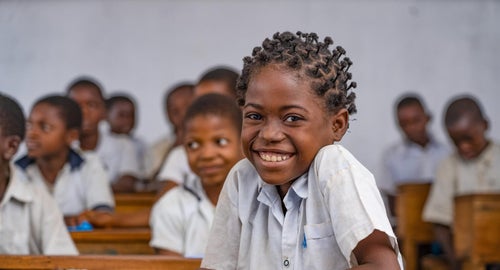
(73, 221)
(99, 218)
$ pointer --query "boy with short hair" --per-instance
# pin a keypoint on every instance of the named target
(415, 158)
(181, 219)
(473, 168)
(121, 117)
(77, 181)
(30, 221)
(116, 152)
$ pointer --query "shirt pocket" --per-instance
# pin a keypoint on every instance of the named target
(320, 248)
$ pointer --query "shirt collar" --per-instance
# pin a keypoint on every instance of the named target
(17, 188)
(268, 193)
(75, 161)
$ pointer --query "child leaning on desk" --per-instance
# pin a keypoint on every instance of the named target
(299, 201)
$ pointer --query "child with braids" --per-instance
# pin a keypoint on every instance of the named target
(298, 201)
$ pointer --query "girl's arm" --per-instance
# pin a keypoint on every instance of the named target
(376, 252)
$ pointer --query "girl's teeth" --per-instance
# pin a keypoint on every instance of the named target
(273, 158)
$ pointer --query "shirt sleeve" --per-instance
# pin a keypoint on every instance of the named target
(167, 223)
(55, 238)
(98, 194)
(176, 166)
(129, 162)
(439, 205)
(224, 241)
(352, 198)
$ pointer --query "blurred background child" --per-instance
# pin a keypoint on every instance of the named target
(116, 152)
(31, 222)
(474, 167)
(77, 180)
(181, 219)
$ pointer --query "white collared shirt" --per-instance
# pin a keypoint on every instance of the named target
(30, 221)
(180, 221)
(82, 184)
(118, 155)
(459, 177)
(176, 167)
(330, 209)
(408, 162)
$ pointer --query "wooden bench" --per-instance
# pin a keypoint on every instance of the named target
(97, 262)
(476, 229)
(411, 229)
(113, 241)
(134, 202)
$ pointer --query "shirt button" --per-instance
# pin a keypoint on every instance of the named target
(286, 262)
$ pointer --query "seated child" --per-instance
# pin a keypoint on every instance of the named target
(77, 181)
(177, 100)
(116, 152)
(298, 201)
(121, 112)
(31, 222)
(473, 168)
(176, 170)
(181, 219)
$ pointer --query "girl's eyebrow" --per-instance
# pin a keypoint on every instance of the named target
(284, 108)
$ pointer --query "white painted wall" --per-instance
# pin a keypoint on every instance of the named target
(437, 48)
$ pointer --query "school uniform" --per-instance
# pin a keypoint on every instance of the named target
(180, 221)
(119, 156)
(330, 209)
(156, 155)
(82, 184)
(176, 167)
(457, 176)
(408, 162)
(30, 221)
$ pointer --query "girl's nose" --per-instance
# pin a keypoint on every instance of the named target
(272, 131)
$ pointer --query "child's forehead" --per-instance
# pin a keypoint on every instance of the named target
(211, 121)
(87, 90)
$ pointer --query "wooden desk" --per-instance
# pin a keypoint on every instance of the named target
(97, 262)
(411, 229)
(113, 241)
(476, 229)
(133, 202)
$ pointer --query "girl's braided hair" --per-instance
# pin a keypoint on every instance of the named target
(328, 70)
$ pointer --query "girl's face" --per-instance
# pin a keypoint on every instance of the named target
(121, 117)
(92, 106)
(46, 133)
(284, 126)
(213, 146)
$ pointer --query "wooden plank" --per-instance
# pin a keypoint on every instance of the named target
(134, 202)
(411, 229)
(477, 230)
(97, 262)
(113, 241)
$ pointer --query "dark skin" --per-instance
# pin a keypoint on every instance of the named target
(8, 148)
(468, 136)
(94, 111)
(279, 112)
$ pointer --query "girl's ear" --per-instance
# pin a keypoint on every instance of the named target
(10, 144)
(340, 124)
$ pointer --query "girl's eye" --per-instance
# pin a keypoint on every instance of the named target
(192, 145)
(46, 127)
(292, 118)
(254, 116)
(222, 141)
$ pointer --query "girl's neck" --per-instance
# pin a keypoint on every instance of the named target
(51, 166)
(213, 192)
(89, 141)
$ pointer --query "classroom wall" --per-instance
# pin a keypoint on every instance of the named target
(436, 48)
